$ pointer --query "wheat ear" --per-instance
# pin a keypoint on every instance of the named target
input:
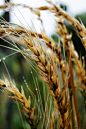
(48, 71)
(49, 75)
(80, 28)
(20, 96)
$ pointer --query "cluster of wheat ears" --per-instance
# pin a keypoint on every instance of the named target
(48, 58)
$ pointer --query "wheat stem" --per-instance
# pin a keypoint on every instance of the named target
(74, 97)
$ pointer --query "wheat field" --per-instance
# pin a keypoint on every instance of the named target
(42, 79)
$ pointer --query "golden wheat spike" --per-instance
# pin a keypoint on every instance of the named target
(48, 73)
(52, 79)
(20, 96)
(66, 40)
(80, 28)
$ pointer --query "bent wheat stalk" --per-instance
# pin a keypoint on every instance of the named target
(80, 28)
